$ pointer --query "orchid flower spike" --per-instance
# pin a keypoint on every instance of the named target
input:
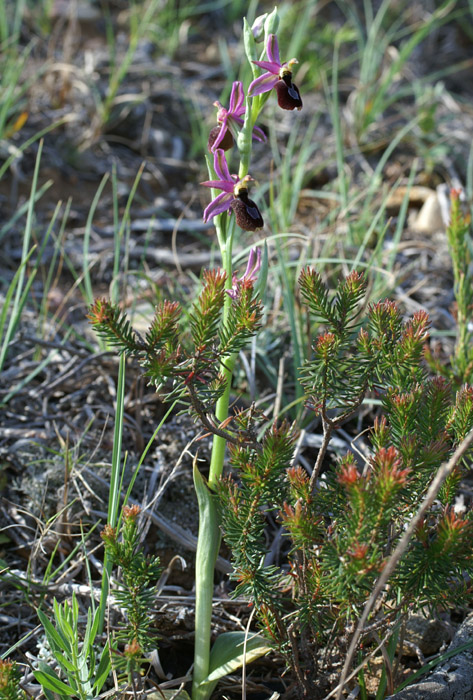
(250, 275)
(278, 76)
(223, 136)
(234, 196)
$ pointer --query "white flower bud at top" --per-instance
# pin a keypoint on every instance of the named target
(258, 28)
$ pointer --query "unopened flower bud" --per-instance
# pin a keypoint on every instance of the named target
(257, 28)
(271, 23)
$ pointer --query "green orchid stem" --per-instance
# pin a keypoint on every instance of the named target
(208, 542)
(245, 137)
(221, 410)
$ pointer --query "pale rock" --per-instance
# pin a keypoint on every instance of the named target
(429, 219)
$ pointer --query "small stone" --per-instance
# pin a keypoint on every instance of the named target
(426, 634)
(429, 219)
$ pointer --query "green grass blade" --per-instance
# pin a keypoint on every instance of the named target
(19, 298)
(86, 267)
(6, 305)
(118, 258)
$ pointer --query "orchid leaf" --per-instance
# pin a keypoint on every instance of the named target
(228, 654)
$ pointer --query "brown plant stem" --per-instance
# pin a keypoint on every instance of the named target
(328, 427)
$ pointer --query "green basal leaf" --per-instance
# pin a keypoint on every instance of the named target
(49, 680)
(103, 669)
(90, 632)
(65, 627)
(65, 664)
(48, 694)
(55, 638)
(227, 654)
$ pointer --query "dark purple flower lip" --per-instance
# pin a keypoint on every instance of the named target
(247, 214)
(226, 139)
(288, 93)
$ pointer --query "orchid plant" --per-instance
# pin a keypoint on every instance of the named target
(226, 315)
(243, 112)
